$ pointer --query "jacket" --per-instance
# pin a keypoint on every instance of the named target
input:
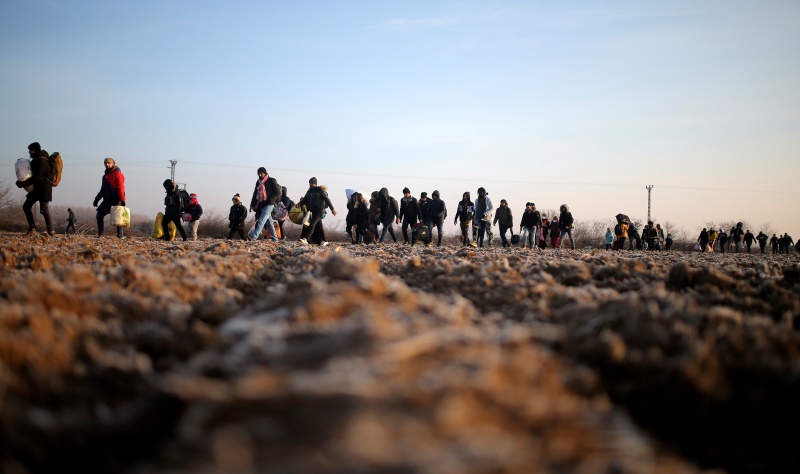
(465, 211)
(112, 187)
(273, 194)
(388, 206)
(40, 172)
(527, 218)
(424, 209)
(196, 211)
(173, 202)
(483, 209)
(609, 237)
(409, 209)
(237, 216)
(565, 219)
(503, 215)
(438, 210)
(621, 230)
(316, 200)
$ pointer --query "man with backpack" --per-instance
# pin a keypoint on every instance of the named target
(315, 200)
(42, 192)
(173, 208)
(506, 219)
(112, 193)
(266, 193)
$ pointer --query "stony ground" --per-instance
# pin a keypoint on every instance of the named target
(141, 356)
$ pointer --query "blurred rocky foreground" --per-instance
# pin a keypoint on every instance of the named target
(142, 356)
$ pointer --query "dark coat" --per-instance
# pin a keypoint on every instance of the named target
(409, 209)
(503, 216)
(424, 209)
(388, 206)
(274, 193)
(40, 178)
(527, 219)
(237, 216)
(112, 188)
(316, 200)
(195, 210)
(173, 202)
(438, 210)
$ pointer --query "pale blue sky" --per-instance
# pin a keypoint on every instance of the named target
(582, 102)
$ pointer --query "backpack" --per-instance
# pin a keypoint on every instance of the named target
(281, 213)
(56, 165)
(185, 198)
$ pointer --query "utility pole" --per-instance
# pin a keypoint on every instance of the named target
(172, 165)
(649, 188)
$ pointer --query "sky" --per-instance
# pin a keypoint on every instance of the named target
(582, 103)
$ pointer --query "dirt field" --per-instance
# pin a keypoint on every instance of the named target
(143, 356)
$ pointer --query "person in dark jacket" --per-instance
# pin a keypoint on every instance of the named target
(526, 227)
(350, 217)
(237, 217)
(668, 242)
(537, 224)
(774, 241)
(360, 216)
(374, 215)
(465, 212)
(266, 193)
(555, 233)
(195, 211)
(722, 238)
(315, 200)
(70, 222)
(438, 213)
(506, 221)
(749, 238)
(650, 234)
(762, 239)
(634, 239)
(390, 213)
(566, 223)
(42, 188)
(545, 232)
(424, 209)
(173, 208)
(112, 193)
(288, 204)
(737, 234)
(483, 213)
(703, 240)
(409, 213)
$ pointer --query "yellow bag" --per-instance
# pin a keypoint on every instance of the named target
(158, 231)
(173, 231)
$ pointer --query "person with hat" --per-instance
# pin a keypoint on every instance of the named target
(566, 223)
(42, 191)
(266, 193)
(112, 193)
(506, 221)
(237, 217)
(409, 212)
(194, 211)
(173, 208)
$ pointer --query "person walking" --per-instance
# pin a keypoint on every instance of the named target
(288, 204)
(567, 223)
(237, 217)
(266, 193)
(526, 227)
(112, 193)
(749, 239)
(609, 238)
(668, 242)
(315, 200)
(483, 211)
(555, 232)
(774, 241)
(425, 210)
(762, 239)
(360, 216)
(544, 232)
(438, 213)
(70, 222)
(465, 212)
(42, 191)
(737, 234)
(195, 212)
(374, 215)
(173, 208)
(506, 220)
(621, 233)
(703, 240)
(409, 212)
(712, 238)
(660, 233)
(722, 238)
(390, 213)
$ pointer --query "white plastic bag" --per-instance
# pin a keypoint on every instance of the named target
(120, 216)
(23, 170)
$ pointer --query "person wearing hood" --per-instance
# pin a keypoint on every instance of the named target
(288, 204)
(173, 208)
(42, 191)
(112, 193)
(555, 233)
(566, 223)
(737, 234)
(722, 238)
(668, 242)
(609, 238)
(506, 220)
(483, 210)
(438, 213)
(409, 212)
(374, 214)
(634, 239)
(425, 210)
(266, 193)
(774, 241)
(390, 213)
(465, 213)
(195, 212)
(237, 217)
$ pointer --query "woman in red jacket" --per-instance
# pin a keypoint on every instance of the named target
(112, 193)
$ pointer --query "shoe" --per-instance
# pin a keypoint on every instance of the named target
(31, 231)
(325, 243)
(304, 241)
(51, 232)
